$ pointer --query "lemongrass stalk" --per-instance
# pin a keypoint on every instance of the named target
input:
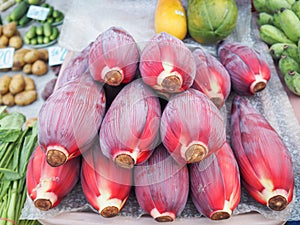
(29, 144)
(13, 202)
(4, 210)
(7, 156)
(4, 188)
(29, 222)
(3, 148)
(15, 161)
(22, 193)
(2, 207)
(7, 159)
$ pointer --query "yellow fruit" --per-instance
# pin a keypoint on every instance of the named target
(170, 17)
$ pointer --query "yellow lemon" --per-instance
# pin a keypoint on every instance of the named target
(170, 17)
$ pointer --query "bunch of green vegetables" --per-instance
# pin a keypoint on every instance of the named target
(16, 146)
(54, 16)
(279, 23)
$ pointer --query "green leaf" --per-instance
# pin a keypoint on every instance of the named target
(29, 144)
(6, 160)
(13, 121)
(3, 147)
(17, 151)
(5, 185)
(7, 135)
(10, 175)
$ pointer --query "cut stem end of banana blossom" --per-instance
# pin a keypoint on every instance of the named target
(56, 155)
(277, 199)
(43, 204)
(162, 217)
(109, 207)
(171, 82)
(113, 77)
(195, 153)
(220, 215)
(277, 203)
(258, 85)
(125, 160)
(109, 211)
(45, 200)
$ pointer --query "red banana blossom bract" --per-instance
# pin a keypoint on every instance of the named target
(161, 186)
(264, 160)
(248, 69)
(167, 65)
(215, 184)
(211, 77)
(47, 185)
(114, 57)
(105, 185)
(70, 119)
(192, 127)
(130, 129)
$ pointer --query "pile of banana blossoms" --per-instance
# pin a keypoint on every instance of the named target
(166, 149)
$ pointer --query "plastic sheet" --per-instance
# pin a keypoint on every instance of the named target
(88, 19)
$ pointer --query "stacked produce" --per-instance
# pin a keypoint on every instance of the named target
(54, 16)
(31, 61)
(17, 145)
(18, 14)
(280, 28)
(155, 139)
(77, 66)
(192, 127)
(17, 89)
(10, 36)
(129, 131)
(105, 61)
(41, 34)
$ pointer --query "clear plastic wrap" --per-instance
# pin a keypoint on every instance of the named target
(88, 19)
